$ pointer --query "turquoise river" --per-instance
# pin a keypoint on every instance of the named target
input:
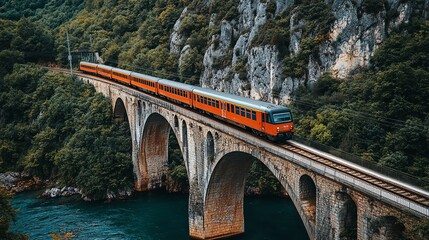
(152, 215)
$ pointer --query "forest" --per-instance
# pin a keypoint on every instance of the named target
(380, 113)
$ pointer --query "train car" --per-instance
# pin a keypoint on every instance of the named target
(104, 70)
(263, 118)
(121, 75)
(175, 91)
(145, 82)
(88, 67)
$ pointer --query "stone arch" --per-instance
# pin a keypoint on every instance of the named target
(225, 195)
(185, 140)
(307, 195)
(154, 152)
(209, 147)
(176, 122)
(387, 227)
(139, 112)
(178, 180)
(120, 111)
(347, 217)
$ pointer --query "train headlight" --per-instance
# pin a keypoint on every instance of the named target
(278, 129)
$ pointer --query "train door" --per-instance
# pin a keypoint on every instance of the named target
(223, 106)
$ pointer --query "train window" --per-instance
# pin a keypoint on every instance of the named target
(247, 113)
(242, 112)
(263, 117)
(253, 115)
(228, 108)
(282, 117)
(237, 110)
(267, 118)
(204, 100)
(217, 104)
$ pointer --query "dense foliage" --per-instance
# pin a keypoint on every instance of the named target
(7, 215)
(381, 114)
(24, 41)
(54, 127)
(51, 13)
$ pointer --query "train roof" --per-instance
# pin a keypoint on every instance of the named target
(119, 70)
(175, 84)
(239, 100)
(147, 77)
(88, 63)
(104, 66)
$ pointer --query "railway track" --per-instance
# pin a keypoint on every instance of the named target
(408, 192)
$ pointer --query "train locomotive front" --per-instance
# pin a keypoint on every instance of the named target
(279, 124)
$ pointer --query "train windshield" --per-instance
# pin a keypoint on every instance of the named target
(282, 117)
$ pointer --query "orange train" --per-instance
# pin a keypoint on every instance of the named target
(264, 119)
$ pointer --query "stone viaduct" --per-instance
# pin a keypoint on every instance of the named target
(218, 158)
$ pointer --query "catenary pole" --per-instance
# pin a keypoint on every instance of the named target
(69, 56)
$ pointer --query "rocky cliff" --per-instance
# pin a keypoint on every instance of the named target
(270, 47)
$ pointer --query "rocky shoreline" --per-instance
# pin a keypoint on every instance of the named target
(16, 182)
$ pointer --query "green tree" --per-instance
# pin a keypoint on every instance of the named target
(7, 216)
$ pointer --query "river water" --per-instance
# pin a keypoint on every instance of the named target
(151, 215)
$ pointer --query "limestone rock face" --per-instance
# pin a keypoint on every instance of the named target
(176, 40)
(232, 63)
